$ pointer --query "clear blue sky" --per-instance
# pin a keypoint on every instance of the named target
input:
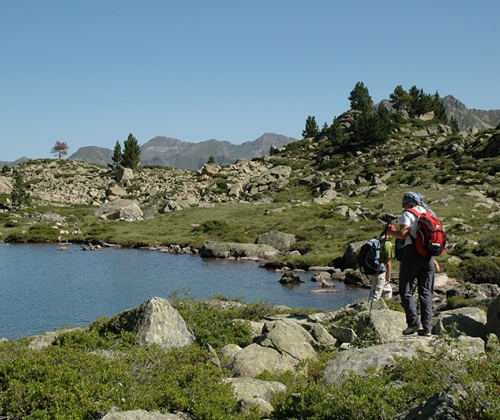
(90, 72)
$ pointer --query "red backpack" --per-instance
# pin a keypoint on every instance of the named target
(431, 237)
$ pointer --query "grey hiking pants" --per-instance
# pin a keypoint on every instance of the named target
(416, 266)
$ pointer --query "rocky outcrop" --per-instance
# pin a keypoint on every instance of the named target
(69, 182)
(279, 240)
(290, 278)
(469, 321)
(5, 185)
(124, 174)
(362, 360)
(282, 347)
(212, 249)
(155, 322)
(120, 209)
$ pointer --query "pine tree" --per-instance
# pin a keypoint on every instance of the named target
(312, 129)
(454, 125)
(336, 134)
(439, 109)
(131, 153)
(360, 98)
(19, 195)
(117, 154)
(400, 99)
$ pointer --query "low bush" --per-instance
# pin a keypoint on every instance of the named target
(455, 302)
(479, 270)
(43, 232)
(10, 223)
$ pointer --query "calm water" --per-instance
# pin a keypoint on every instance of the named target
(42, 288)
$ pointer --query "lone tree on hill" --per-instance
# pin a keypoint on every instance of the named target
(131, 153)
(312, 129)
(117, 154)
(60, 149)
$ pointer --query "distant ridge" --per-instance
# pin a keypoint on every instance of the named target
(93, 154)
(20, 160)
(470, 120)
(167, 151)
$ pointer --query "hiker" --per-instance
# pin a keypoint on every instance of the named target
(381, 283)
(415, 266)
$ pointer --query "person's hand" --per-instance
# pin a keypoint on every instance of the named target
(437, 268)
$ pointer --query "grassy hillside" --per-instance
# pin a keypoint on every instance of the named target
(457, 176)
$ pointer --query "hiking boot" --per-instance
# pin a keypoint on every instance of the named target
(424, 333)
(414, 329)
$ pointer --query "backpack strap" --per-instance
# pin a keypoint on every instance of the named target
(417, 214)
(414, 212)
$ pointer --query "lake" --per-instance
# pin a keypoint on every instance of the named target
(42, 287)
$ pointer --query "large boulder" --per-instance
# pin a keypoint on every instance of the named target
(323, 339)
(124, 174)
(212, 249)
(155, 322)
(255, 388)
(470, 321)
(254, 360)
(350, 257)
(5, 185)
(359, 361)
(288, 337)
(385, 324)
(281, 348)
(120, 209)
(115, 191)
(51, 217)
(276, 239)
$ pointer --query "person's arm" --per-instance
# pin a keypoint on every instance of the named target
(437, 268)
(402, 233)
(388, 265)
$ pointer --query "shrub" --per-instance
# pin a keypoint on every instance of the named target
(10, 223)
(488, 246)
(455, 302)
(214, 227)
(43, 232)
(479, 270)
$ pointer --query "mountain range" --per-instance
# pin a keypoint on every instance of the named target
(167, 151)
